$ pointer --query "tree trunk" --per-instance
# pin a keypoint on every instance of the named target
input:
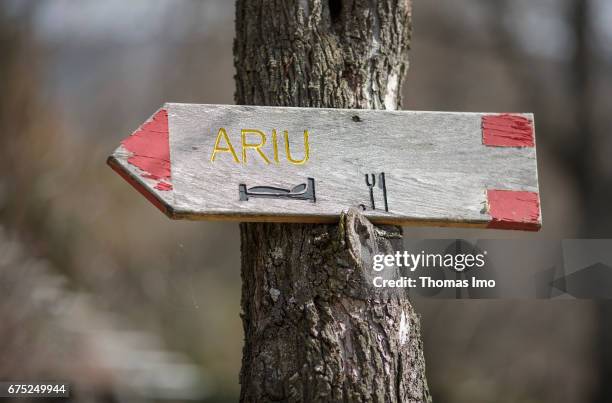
(314, 329)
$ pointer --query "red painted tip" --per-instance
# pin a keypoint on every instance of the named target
(514, 210)
(150, 149)
(507, 131)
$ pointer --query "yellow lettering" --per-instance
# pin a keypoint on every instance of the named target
(256, 147)
(306, 149)
(275, 145)
(218, 149)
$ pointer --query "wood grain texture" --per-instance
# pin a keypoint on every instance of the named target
(437, 169)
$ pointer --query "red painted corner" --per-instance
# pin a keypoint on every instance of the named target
(150, 150)
(507, 131)
(514, 210)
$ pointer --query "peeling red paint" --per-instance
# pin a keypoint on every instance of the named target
(163, 186)
(150, 150)
(514, 210)
(507, 131)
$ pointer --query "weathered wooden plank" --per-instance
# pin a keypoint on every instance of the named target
(246, 163)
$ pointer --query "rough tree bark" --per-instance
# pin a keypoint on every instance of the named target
(314, 329)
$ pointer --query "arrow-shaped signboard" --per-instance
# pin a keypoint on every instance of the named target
(248, 163)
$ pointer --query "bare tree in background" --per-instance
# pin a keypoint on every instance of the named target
(312, 333)
(595, 196)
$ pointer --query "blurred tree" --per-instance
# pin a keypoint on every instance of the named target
(53, 327)
(595, 194)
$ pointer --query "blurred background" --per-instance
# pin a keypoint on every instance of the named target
(100, 289)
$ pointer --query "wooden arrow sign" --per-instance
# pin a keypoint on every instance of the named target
(247, 163)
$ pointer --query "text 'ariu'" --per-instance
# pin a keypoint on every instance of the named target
(252, 142)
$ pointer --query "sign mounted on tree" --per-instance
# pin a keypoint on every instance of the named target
(248, 163)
